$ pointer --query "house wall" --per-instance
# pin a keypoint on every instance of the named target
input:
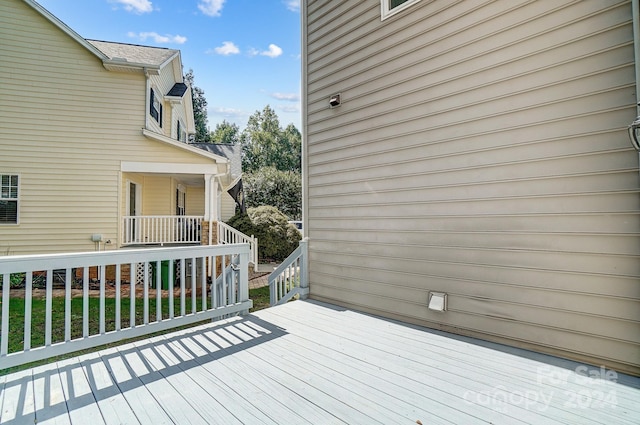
(480, 150)
(67, 124)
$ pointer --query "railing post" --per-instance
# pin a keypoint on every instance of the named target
(243, 277)
(304, 265)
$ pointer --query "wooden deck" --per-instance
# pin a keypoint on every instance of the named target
(312, 363)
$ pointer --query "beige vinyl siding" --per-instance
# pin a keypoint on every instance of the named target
(67, 123)
(195, 201)
(480, 150)
(228, 207)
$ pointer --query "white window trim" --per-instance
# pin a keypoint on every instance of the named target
(386, 12)
(17, 199)
(160, 99)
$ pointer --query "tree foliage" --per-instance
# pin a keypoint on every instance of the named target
(199, 109)
(226, 132)
(276, 237)
(266, 144)
(270, 186)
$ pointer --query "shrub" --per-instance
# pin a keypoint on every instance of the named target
(269, 186)
(277, 238)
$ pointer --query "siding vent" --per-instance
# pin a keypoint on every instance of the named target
(437, 301)
(334, 101)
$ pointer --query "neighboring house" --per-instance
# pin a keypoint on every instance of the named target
(479, 149)
(93, 151)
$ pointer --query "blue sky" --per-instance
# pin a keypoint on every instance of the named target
(245, 54)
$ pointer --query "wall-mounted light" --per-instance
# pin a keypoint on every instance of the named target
(634, 133)
(437, 301)
(334, 100)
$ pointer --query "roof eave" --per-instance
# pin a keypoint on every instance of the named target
(184, 146)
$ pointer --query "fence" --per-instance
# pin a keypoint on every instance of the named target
(195, 289)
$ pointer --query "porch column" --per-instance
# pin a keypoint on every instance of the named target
(209, 234)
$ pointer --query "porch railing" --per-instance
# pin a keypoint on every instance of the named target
(161, 229)
(229, 235)
(291, 278)
(82, 314)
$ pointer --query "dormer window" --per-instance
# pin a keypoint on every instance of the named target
(155, 108)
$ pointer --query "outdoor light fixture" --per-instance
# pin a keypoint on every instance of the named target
(334, 101)
(437, 301)
(634, 132)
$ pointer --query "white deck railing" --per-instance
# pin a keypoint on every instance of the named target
(190, 296)
(229, 235)
(161, 229)
(290, 278)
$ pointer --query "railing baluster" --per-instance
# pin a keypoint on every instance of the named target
(4, 332)
(133, 277)
(214, 286)
(118, 306)
(203, 281)
(48, 307)
(103, 311)
(145, 296)
(27, 311)
(170, 278)
(67, 304)
(85, 302)
(183, 296)
(194, 293)
(158, 291)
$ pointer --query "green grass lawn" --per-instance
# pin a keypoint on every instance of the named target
(260, 297)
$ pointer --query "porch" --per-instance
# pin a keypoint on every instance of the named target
(308, 362)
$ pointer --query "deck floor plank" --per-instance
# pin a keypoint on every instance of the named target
(50, 399)
(111, 402)
(79, 397)
(200, 400)
(313, 363)
(145, 407)
(18, 405)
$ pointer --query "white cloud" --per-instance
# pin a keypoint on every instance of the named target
(211, 7)
(136, 6)
(293, 5)
(273, 52)
(227, 112)
(289, 108)
(293, 97)
(160, 39)
(227, 48)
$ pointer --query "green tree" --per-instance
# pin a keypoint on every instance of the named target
(266, 144)
(199, 108)
(270, 186)
(225, 132)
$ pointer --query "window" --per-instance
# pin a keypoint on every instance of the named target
(8, 199)
(391, 7)
(181, 135)
(155, 107)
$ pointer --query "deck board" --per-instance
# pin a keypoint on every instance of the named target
(311, 363)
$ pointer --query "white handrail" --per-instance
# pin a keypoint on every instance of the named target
(161, 229)
(291, 277)
(181, 270)
(227, 235)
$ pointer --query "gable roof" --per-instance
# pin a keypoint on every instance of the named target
(232, 152)
(135, 54)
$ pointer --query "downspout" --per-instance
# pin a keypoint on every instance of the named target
(305, 141)
(635, 11)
